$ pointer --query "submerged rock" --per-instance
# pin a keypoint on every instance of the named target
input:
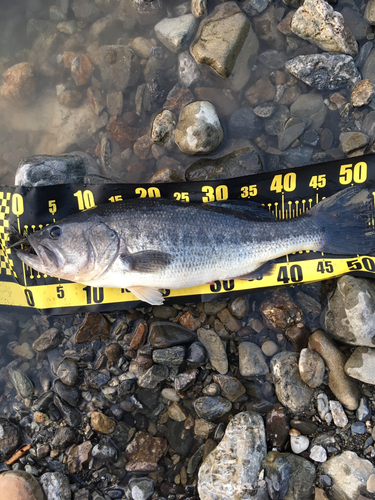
(119, 67)
(176, 32)
(231, 470)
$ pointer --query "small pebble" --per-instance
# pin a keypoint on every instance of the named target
(318, 454)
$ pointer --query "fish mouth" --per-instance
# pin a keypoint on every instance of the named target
(39, 257)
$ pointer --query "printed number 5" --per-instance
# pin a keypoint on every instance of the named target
(52, 206)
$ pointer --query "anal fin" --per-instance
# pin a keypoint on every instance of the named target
(265, 269)
(148, 294)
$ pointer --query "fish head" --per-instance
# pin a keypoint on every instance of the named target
(74, 250)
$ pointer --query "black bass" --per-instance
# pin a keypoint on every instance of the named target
(149, 244)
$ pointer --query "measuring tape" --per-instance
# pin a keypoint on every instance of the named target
(286, 194)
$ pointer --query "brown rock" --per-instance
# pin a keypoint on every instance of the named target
(144, 452)
(188, 320)
(81, 69)
(285, 25)
(280, 312)
(144, 361)
(277, 426)
(362, 93)
(233, 324)
(70, 98)
(96, 100)
(19, 485)
(224, 100)
(123, 134)
(142, 147)
(113, 351)
(19, 82)
(298, 335)
(79, 457)
(94, 325)
(265, 27)
(178, 98)
(139, 334)
(102, 423)
(345, 388)
(262, 91)
(68, 57)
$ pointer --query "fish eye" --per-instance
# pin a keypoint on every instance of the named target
(54, 232)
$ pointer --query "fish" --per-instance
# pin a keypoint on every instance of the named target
(149, 244)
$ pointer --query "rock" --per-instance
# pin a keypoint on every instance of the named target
(22, 383)
(231, 388)
(254, 7)
(94, 325)
(63, 437)
(318, 453)
(154, 375)
(225, 42)
(71, 415)
(141, 46)
(317, 22)
(20, 485)
(358, 428)
(202, 428)
(362, 93)
(361, 365)
(170, 356)
(79, 457)
(188, 70)
(176, 413)
(349, 475)
(19, 82)
(343, 387)
(211, 408)
(277, 426)
(232, 468)
(245, 123)
(56, 486)
(349, 316)
(139, 334)
(353, 142)
(119, 67)
(115, 103)
(277, 475)
(298, 443)
(176, 32)
(45, 170)
(144, 452)
(215, 348)
(310, 107)
(145, 12)
(368, 70)
(113, 351)
(224, 100)
(158, 87)
(178, 98)
(199, 130)
(163, 129)
(280, 312)
(81, 69)
(70, 395)
(85, 11)
(311, 368)
(101, 423)
(165, 334)
(369, 14)
(244, 161)
(269, 348)
(338, 414)
(298, 335)
(265, 27)
(196, 354)
(180, 437)
(70, 98)
(293, 128)
(251, 360)
(142, 488)
(363, 411)
(291, 391)
(96, 100)
(325, 71)
(323, 407)
(50, 339)
(105, 450)
(262, 91)
(10, 439)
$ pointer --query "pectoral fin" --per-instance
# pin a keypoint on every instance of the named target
(147, 294)
(149, 261)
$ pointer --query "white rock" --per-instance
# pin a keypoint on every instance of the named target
(176, 32)
(318, 453)
(338, 414)
(299, 443)
(188, 70)
(361, 365)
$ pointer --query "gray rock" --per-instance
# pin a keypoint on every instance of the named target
(349, 316)
(67, 371)
(275, 124)
(311, 368)
(154, 375)
(105, 450)
(179, 438)
(245, 123)
(363, 412)
(290, 389)
(56, 486)
(22, 383)
(119, 67)
(272, 59)
(45, 170)
(188, 71)
(196, 354)
(244, 161)
(163, 128)
(338, 414)
(361, 365)
(226, 42)
(211, 408)
(70, 395)
(199, 130)
(231, 469)
(215, 348)
(317, 22)
(358, 428)
(49, 339)
(144, 11)
(265, 110)
(231, 388)
(353, 143)
(254, 7)
(318, 453)
(171, 356)
(85, 10)
(251, 360)
(165, 334)
(322, 406)
(142, 488)
(349, 475)
(239, 307)
(176, 32)
(115, 103)
(325, 71)
(293, 128)
(356, 23)
(310, 107)
(277, 474)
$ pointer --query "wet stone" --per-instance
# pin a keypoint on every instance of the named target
(310, 107)
(269, 348)
(175, 33)
(105, 450)
(20, 485)
(70, 395)
(171, 356)
(176, 413)
(251, 360)
(361, 365)
(96, 100)
(311, 368)
(215, 349)
(231, 388)
(188, 70)
(102, 423)
(325, 71)
(85, 10)
(178, 98)
(254, 7)
(49, 339)
(211, 408)
(353, 142)
(265, 110)
(113, 351)
(244, 161)
(63, 437)
(291, 391)
(79, 457)
(232, 469)
(19, 82)
(272, 59)
(362, 93)
(154, 375)
(261, 92)
(119, 67)
(318, 453)
(164, 334)
(115, 103)
(279, 311)
(81, 69)
(71, 415)
(10, 439)
(70, 98)
(94, 325)
(338, 414)
(363, 411)
(245, 123)
(22, 383)
(56, 485)
(183, 381)
(144, 452)
(196, 354)
(358, 428)
(277, 474)
(277, 426)
(304, 426)
(142, 488)
(298, 443)
(163, 129)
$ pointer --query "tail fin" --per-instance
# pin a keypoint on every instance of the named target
(347, 219)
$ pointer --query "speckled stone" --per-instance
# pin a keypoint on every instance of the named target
(311, 368)
(215, 348)
(20, 485)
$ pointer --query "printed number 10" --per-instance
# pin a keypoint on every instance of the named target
(85, 199)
